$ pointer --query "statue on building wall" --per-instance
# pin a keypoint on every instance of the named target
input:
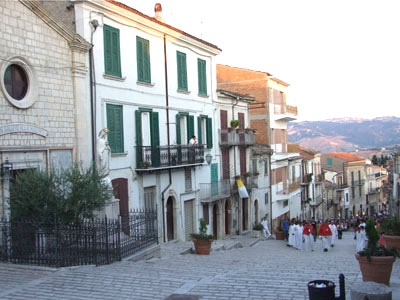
(103, 154)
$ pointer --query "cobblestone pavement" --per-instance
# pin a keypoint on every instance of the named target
(267, 270)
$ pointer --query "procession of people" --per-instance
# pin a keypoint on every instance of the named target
(304, 235)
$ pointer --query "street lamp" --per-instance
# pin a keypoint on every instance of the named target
(208, 158)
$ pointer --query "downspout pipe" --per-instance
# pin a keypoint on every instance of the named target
(168, 138)
(234, 166)
(92, 78)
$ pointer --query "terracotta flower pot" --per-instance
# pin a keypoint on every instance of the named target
(392, 241)
(379, 269)
(202, 247)
(280, 235)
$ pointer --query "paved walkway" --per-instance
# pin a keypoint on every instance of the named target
(267, 270)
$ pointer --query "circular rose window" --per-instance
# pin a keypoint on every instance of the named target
(18, 82)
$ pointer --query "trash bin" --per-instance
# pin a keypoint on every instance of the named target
(321, 290)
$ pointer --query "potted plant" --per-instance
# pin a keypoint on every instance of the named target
(247, 174)
(376, 262)
(391, 228)
(257, 229)
(235, 123)
(202, 241)
(308, 201)
(279, 233)
(146, 164)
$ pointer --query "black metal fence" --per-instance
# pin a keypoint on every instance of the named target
(98, 242)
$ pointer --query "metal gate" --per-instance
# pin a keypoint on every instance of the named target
(188, 219)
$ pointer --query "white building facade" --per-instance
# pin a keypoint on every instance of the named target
(154, 87)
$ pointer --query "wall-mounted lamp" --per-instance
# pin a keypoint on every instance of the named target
(6, 167)
(208, 158)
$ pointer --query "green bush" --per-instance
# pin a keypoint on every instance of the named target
(391, 226)
(65, 196)
(202, 235)
(373, 237)
(258, 227)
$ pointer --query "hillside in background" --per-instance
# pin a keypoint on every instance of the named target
(346, 134)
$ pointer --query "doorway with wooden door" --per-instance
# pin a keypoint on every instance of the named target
(256, 217)
(120, 187)
(215, 221)
(228, 217)
(245, 213)
(170, 219)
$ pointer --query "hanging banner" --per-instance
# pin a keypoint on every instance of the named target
(241, 189)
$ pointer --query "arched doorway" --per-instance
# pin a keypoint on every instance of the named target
(228, 217)
(170, 219)
(256, 218)
(245, 213)
(215, 221)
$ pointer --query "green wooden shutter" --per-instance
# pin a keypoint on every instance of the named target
(155, 139)
(190, 127)
(146, 60)
(178, 128)
(139, 58)
(139, 150)
(181, 68)
(202, 79)
(266, 167)
(143, 60)
(115, 53)
(112, 60)
(115, 125)
(214, 179)
(199, 130)
(209, 133)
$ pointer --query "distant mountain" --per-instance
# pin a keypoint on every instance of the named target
(346, 134)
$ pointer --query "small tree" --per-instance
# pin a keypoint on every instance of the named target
(374, 160)
(66, 196)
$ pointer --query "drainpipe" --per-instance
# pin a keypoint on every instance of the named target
(234, 166)
(92, 79)
(168, 138)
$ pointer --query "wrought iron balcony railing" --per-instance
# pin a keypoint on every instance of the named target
(161, 157)
(215, 190)
(234, 138)
(358, 182)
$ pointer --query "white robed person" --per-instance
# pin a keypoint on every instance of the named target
(296, 235)
(300, 229)
(291, 241)
(334, 231)
(266, 231)
(361, 237)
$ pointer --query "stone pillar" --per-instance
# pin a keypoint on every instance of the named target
(372, 290)
(81, 84)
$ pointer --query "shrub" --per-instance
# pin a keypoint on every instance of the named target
(202, 235)
(64, 196)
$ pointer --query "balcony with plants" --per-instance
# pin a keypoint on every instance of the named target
(152, 158)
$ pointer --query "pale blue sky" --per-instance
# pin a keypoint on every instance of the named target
(341, 57)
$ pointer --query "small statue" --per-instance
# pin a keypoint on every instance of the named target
(103, 154)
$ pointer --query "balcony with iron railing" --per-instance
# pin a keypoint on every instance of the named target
(293, 186)
(307, 179)
(285, 112)
(358, 182)
(213, 191)
(373, 190)
(234, 138)
(340, 187)
(150, 158)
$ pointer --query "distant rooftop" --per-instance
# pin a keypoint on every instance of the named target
(345, 156)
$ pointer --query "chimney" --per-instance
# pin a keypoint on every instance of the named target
(158, 11)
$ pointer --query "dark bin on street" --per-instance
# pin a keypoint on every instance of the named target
(321, 290)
